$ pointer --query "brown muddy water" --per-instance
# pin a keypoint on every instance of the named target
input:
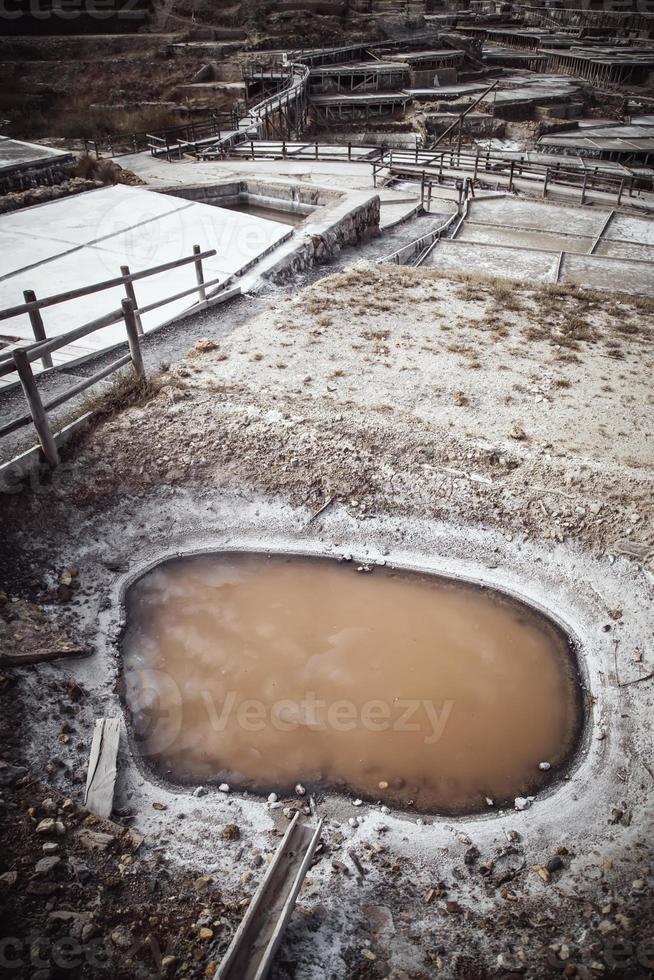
(265, 671)
(280, 215)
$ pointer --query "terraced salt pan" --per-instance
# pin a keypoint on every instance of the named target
(494, 260)
(513, 213)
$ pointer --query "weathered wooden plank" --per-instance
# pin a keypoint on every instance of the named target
(37, 325)
(133, 339)
(255, 942)
(35, 404)
(101, 776)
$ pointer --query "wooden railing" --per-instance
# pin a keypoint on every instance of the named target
(20, 359)
(123, 144)
(447, 165)
(485, 165)
(418, 249)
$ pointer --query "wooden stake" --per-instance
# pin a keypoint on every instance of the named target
(131, 296)
(37, 325)
(199, 274)
(133, 339)
(40, 419)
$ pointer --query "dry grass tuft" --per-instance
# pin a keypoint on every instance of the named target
(124, 391)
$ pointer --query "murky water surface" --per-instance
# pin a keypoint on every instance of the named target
(267, 671)
(284, 217)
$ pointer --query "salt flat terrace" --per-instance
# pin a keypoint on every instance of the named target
(539, 242)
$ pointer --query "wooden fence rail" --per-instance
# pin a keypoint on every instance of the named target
(451, 164)
(124, 144)
(96, 287)
(20, 359)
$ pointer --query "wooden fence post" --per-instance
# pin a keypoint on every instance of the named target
(133, 339)
(40, 419)
(37, 325)
(131, 296)
(199, 275)
(620, 191)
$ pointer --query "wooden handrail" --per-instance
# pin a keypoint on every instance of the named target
(171, 299)
(69, 393)
(20, 358)
(38, 349)
(99, 286)
(604, 171)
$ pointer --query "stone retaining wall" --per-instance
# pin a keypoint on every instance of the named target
(324, 240)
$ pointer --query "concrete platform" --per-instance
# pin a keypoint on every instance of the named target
(624, 140)
(80, 240)
(16, 155)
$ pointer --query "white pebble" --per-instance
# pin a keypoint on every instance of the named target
(300, 790)
(224, 787)
(353, 822)
(272, 798)
(544, 766)
(357, 802)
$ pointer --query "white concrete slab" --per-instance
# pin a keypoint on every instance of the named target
(492, 234)
(85, 239)
(599, 272)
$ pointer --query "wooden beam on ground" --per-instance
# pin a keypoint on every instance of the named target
(255, 942)
(101, 777)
